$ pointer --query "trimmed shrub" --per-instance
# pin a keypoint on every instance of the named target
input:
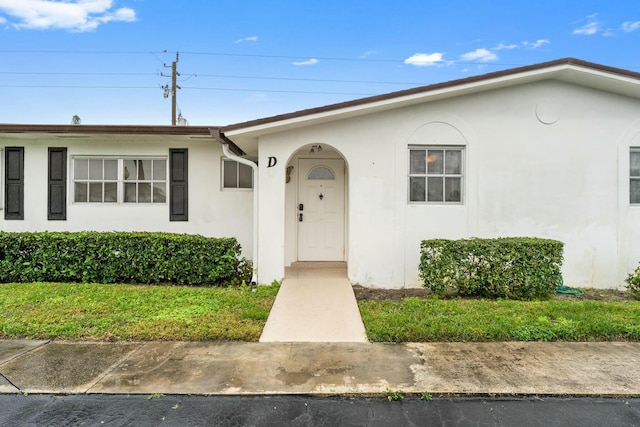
(633, 282)
(512, 267)
(119, 257)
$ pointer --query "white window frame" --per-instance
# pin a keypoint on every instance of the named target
(120, 180)
(239, 168)
(633, 178)
(444, 175)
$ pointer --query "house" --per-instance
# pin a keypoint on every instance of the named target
(549, 150)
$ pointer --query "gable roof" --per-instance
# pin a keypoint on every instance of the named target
(571, 70)
(245, 134)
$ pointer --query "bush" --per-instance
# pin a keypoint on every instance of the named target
(633, 282)
(118, 257)
(516, 267)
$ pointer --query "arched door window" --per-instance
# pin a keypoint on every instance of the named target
(321, 172)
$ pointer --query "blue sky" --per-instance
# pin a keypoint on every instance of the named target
(104, 60)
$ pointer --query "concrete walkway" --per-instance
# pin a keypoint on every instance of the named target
(315, 303)
(363, 369)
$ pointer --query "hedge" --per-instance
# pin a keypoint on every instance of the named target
(512, 267)
(119, 257)
(633, 282)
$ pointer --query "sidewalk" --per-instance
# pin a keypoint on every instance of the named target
(511, 368)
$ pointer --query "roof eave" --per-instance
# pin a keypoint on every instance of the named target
(222, 139)
(106, 129)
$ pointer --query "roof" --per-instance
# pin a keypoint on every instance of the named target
(571, 70)
(245, 134)
(106, 129)
(97, 132)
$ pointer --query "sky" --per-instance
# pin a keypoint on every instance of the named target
(107, 61)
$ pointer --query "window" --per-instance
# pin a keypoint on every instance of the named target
(634, 175)
(236, 175)
(435, 174)
(321, 172)
(113, 180)
(145, 181)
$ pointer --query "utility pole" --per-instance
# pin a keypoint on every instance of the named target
(174, 87)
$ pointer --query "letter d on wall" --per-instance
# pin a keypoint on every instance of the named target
(272, 162)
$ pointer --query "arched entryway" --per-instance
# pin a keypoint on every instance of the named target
(317, 205)
(316, 302)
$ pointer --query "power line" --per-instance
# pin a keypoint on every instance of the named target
(289, 57)
(114, 52)
(185, 87)
(319, 58)
(92, 52)
(226, 76)
(310, 80)
(65, 73)
(245, 55)
(281, 91)
(78, 87)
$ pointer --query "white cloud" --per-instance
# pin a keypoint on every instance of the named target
(630, 26)
(311, 61)
(368, 54)
(424, 59)
(481, 55)
(502, 46)
(251, 39)
(536, 44)
(590, 28)
(2, 20)
(73, 15)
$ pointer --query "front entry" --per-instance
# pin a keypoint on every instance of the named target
(321, 210)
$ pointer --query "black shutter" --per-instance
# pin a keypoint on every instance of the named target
(14, 183)
(57, 197)
(178, 185)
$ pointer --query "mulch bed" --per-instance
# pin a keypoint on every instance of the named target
(377, 294)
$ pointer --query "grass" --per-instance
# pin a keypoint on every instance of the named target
(99, 312)
(133, 312)
(425, 319)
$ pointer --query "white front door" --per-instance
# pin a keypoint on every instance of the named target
(321, 210)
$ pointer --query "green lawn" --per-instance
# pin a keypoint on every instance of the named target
(422, 320)
(132, 312)
(137, 312)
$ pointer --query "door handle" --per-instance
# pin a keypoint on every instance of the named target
(300, 217)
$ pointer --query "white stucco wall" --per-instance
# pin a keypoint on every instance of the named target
(546, 160)
(212, 212)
